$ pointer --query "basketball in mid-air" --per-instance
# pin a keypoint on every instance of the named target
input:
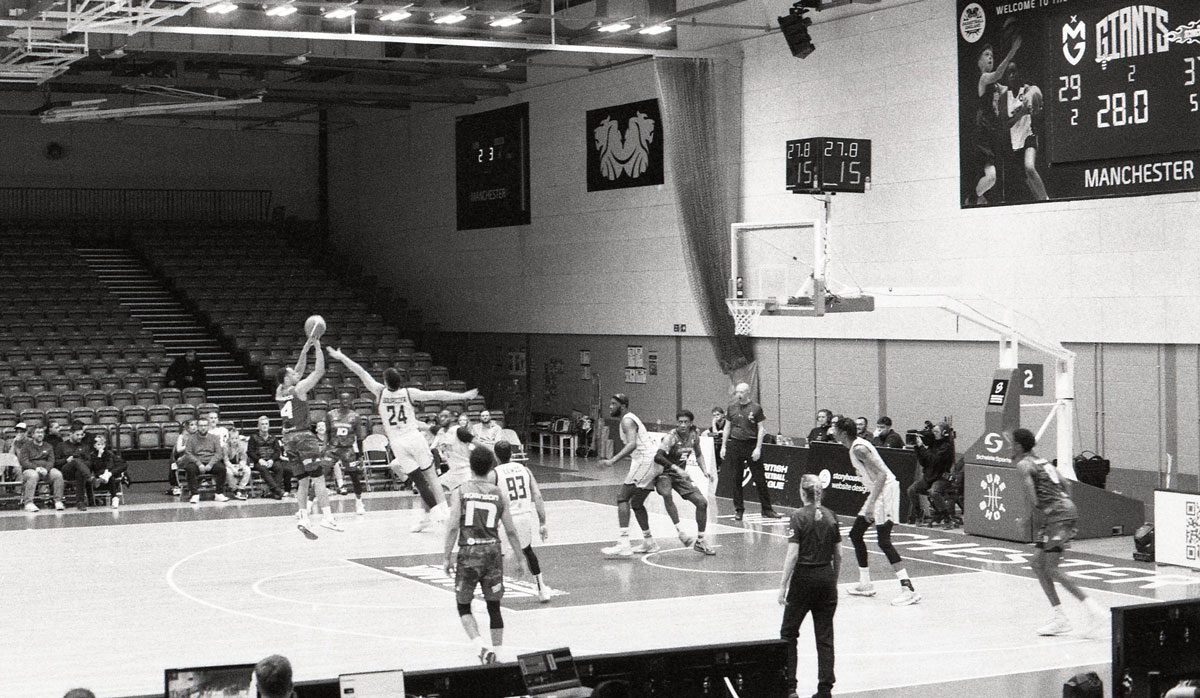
(1032, 97)
(314, 326)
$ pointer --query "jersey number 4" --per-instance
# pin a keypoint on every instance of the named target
(481, 514)
(286, 410)
(396, 415)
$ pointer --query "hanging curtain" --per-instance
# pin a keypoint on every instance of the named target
(701, 102)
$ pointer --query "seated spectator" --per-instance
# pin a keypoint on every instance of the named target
(185, 371)
(717, 431)
(107, 467)
(264, 452)
(861, 424)
(821, 431)
(274, 677)
(237, 465)
(19, 436)
(70, 456)
(937, 460)
(486, 432)
(215, 428)
(204, 454)
(884, 436)
(55, 433)
(189, 430)
(463, 420)
(947, 492)
(37, 463)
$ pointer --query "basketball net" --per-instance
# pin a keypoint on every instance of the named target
(744, 311)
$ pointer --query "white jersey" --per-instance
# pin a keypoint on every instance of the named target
(518, 482)
(1022, 128)
(398, 413)
(861, 469)
(647, 443)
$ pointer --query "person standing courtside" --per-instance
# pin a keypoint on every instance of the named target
(810, 574)
(745, 426)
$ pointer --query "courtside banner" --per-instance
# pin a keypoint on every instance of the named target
(1177, 528)
(624, 146)
(845, 492)
(1077, 99)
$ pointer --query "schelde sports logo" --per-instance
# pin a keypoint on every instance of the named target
(992, 504)
(1074, 40)
(972, 22)
(993, 442)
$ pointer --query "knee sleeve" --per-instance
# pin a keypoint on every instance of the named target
(856, 537)
(885, 542)
(464, 609)
(535, 568)
(493, 609)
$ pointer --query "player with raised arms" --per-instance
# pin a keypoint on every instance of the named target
(476, 510)
(525, 500)
(882, 509)
(303, 450)
(987, 119)
(397, 409)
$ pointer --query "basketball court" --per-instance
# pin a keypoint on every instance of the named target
(229, 584)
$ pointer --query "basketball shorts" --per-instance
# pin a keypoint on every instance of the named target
(685, 487)
(479, 565)
(454, 478)
(642, 472)
(1031, 142)
(305, 452)
(887, 507)
(1056, 536)
(410, 451)
(344, 455)
(526, 524)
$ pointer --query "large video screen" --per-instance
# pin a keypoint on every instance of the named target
(1077, 99)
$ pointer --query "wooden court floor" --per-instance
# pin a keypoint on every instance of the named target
(108, 600)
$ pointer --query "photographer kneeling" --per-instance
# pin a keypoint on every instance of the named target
(937, 460)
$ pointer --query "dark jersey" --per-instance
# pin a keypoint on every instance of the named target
(679, 449)
(1052, 499)
(482, 507)
(295, 413)
(815, 530)
(343, 428)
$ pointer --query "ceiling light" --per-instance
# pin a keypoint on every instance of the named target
(509, 21)
(221, 8)
(284, 10)
(654, 29)
(451, 18)
(614, 27)
(396, 15)
(296, 60)
(341, 13)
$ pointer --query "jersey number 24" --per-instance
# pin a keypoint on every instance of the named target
(396, 415)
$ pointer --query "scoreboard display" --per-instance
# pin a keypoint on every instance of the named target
(818, 165)
(1077, 99)
(492, 168)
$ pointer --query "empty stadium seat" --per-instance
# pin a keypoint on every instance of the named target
(364, 407)
(111, 384)
(45, 401)
(183, 413)
(108, 415)
(170, 397)
(149, 436)
(193, 396)
(61, 384)
(37, 385)
(21, 401)
(158, 413)
(133, 414)
(317, 409)
(122, 398)
(84, 383)
(95, 398)
(33, 418)
(58, 415)
(87, 415)
(206, 408)
(8, 419)
(126, 436)
(146, 397)
(170, 433)
(134, 382)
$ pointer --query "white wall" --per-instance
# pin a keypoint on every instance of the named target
(135, 155)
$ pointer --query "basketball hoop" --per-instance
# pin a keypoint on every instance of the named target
(744, 312)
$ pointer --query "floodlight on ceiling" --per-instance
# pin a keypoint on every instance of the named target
(655, 29)
(397, 15)
(450, 18)
(614, 27)
(508, 21)
(282, 10)
(344, 12)
(221, 8)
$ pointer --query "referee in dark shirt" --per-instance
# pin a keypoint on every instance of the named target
(810, 575)
(742, 446)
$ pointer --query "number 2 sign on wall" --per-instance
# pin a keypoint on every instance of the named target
(1032, 378)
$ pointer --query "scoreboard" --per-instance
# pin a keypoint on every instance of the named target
(1125, 83)
(818, 165)
(1098, 97)
(492, 168)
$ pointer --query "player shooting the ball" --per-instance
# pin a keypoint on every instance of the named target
(396, 405)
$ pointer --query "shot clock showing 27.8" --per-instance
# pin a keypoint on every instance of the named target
(816, 165)
(1126, 82)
